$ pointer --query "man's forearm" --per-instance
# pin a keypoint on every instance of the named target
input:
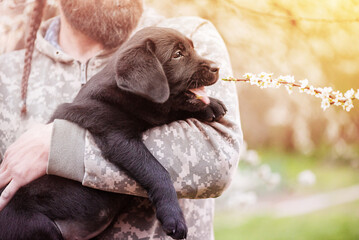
(199, 157)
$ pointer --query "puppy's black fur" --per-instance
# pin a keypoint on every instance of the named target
(145, 84)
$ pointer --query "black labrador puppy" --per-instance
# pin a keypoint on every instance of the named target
(154, 78)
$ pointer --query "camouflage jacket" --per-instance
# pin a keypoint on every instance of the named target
(200, 157)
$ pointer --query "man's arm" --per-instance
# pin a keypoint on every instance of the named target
(200, 157)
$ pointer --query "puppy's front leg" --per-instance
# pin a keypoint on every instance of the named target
(132, 155)
(213, 111)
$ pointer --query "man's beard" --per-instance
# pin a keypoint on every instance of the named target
(107, 22)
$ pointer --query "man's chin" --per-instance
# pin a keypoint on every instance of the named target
(109, 24)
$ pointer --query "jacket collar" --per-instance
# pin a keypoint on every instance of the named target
(51, 50)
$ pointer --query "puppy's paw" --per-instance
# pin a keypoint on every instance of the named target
(173, 222)
(218, 108)
(214, 111)
(175, 228)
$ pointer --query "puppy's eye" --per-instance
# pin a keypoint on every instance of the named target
(177, 54)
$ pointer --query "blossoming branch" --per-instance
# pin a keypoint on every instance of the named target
(328, 96)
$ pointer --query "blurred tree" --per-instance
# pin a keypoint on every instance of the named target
(313, 40)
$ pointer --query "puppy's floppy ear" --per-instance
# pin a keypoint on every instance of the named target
(139, 71)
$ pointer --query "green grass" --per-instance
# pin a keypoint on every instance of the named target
(329, 175)
(337, 223)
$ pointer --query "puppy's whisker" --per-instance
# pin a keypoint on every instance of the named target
(188, 83)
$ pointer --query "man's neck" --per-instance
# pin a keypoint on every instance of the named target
(76, 44)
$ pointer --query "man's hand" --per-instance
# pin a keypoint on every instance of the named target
(24, 161)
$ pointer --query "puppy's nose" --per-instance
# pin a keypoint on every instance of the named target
(213, 67)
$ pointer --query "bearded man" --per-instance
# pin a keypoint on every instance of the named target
(69, 49)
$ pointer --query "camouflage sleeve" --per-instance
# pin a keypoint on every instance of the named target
(200, 157)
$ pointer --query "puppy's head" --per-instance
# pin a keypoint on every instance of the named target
(159, 63)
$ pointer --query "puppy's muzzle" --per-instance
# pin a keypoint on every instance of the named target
(211, 70)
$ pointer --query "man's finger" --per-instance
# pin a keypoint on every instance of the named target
(4, 178)
(8, 193)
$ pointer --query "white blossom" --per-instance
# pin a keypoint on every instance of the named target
(349, 94)
(326, 92)
(275, 83)
(289, 79)
(251, 157)
(357, 94)
(325, 103)
(289, 88)
(264, 171)
(303, 84)
(307, 178)
(338, 97)
(248, 75)
(274, 179)
(328, 96)
(348, 105)
(254, 80)
(310, 91)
